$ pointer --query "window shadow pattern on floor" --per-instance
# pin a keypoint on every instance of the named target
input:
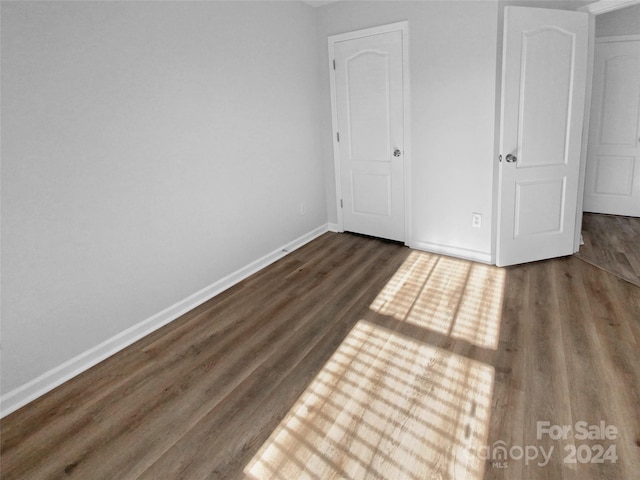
(402, 396)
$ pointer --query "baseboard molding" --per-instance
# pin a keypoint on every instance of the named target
(464, 253)
(334, 227)
(46, 382)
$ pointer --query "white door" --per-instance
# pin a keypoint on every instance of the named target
(612, 183)
(544, 69)
(369, 116)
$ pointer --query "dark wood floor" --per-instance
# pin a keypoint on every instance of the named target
(612, 242)
(358, 358)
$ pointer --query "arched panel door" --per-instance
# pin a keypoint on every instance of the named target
(543, 95)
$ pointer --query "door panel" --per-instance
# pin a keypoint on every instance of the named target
(367, 115)
(619, 113)
(614, 175)
(544, 50)
(371, 193)
(543, 92)
(370, 112)
(539, 207)
(612, 182)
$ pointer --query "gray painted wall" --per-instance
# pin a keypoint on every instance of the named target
(452, 50)
(148, 150)
(625, 21)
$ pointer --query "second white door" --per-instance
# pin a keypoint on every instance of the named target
(369, 104)
(612, 183)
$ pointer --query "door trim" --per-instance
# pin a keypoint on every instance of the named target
(402, 27)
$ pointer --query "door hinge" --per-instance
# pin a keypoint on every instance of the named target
(334, 64)
(341, 204)
(338, 136)
(500, 158)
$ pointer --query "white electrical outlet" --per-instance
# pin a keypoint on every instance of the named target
(303, 208)
(476, 220)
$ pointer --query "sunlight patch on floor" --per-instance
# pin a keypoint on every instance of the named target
(453, 297)
(385, 405)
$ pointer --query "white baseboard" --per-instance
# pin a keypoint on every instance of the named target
(464, 253)
(46, 382)
(334, 227)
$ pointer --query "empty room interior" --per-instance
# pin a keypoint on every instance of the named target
(320, 239)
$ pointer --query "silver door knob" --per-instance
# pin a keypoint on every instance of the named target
(397, 152)
(511, 158)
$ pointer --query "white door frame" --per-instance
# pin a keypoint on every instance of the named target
(402, 27)
(594, 9)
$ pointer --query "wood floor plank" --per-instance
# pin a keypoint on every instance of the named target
(508, 400)
(252, 347)
(611, 242)
(547, 382)
(583, 348)
(354, 357)
(618, 360)
(219, 425)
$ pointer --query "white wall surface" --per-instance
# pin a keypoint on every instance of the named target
(148, 150)
(625, 21)
(453, 73)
